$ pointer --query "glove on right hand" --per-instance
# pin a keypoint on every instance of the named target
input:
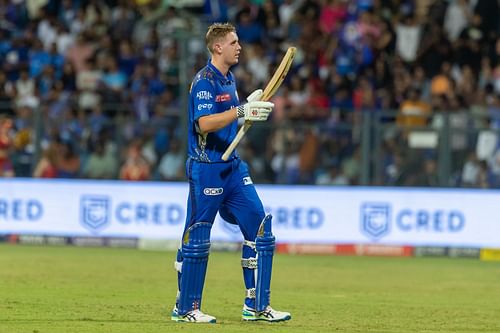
(255, 111)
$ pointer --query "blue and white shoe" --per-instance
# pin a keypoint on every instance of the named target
(195, 316)
(269, 314)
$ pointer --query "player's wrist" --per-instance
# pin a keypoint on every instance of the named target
(240, 111)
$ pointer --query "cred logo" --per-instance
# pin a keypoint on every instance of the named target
(213, 191)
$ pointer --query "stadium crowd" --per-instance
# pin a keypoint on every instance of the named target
(101, 80)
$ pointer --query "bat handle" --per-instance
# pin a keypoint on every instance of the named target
(237, 139)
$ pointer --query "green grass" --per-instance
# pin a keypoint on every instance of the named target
(70, 289)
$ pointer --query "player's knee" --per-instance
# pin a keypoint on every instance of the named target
(196, 241)
(265, 240)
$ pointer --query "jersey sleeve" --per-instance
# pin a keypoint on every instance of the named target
(203, 95)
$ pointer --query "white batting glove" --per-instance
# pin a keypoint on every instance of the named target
(255, 96)
(255, 111)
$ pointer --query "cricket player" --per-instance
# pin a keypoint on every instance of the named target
(222, 186)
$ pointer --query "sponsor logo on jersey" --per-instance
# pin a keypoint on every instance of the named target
(204, 95)
(213, 191)
(247, 181)
(223, 98)
(205, 106)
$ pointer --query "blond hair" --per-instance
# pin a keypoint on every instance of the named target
(216, 32)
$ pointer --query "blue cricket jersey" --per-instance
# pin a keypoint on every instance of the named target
(211, 92)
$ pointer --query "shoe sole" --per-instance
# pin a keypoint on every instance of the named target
(178, 319)
(268, 320)
(194, 322)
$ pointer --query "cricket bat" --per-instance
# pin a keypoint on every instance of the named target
(269, 91)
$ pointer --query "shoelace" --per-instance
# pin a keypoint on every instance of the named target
(190, 316)
(268, 312)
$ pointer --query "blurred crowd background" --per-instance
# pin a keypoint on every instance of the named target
(382, 92)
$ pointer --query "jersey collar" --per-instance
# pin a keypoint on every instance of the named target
(223, 79)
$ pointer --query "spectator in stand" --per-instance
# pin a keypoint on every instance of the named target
(308, 156)
(6, 167)
(39, 58)
(470, 171)
(67, 13)
(408, 34)
(68, 77)
(101, 163)
(135, 166)
(113, 82)
(171, 167)
(87, 83)
(332, 176)
(7, 95)
(79, 53)
(47, 166)
(429, 177)
(332, 14)
(484, 179)
(168, 65)
(127, 60)
(64, 39)
(441, 84)
(68, 161)
(413, 111)
(434, 50)
(457, 18)
(249, 31)
(360, 54)
(26, 90)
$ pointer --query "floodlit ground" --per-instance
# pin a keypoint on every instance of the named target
(70, 289)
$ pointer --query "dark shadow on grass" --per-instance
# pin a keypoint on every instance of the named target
(82, 320)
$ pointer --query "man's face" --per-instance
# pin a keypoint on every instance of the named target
(230, 49)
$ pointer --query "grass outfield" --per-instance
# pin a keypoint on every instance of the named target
(70, 289)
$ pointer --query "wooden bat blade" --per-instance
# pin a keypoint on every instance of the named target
(269, 91)
(279, 75)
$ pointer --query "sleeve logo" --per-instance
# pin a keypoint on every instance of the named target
(247, 181)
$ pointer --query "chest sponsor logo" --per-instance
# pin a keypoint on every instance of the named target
(204, 95)
(223, 98)
(213, 191)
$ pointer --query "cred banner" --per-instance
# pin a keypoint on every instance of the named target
(301, 214)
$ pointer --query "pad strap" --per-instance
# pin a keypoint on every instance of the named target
(250, 293)
(249, 263)
(248, 243)
(178, 266)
